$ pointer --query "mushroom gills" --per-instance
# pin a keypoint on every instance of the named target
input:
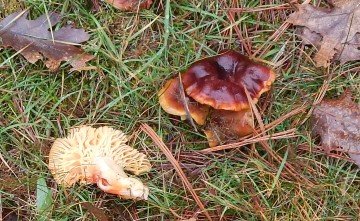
(99, 155)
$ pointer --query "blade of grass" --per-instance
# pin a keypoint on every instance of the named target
(281, 167)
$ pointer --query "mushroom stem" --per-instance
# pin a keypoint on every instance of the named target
(226, 125)
(111, 178)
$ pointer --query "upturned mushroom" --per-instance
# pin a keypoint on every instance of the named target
(221, 82)
(99, 155)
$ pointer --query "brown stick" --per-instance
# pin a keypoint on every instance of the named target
(281, 135)
(185, 105)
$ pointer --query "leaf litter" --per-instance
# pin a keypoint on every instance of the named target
(34, 41)
(337, 121)
(334, 31)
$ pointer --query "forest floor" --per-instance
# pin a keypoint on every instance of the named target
(136, 53)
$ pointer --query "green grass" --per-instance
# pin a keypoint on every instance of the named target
(135, 55)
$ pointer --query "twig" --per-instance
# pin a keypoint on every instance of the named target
(277, 7)
(319, 150)
(257, 137)
(185, 105)
(254, 110)
(284, 117)
(281, 135)
(151, 133)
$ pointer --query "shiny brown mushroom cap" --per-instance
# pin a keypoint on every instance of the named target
(219, 81)
(170, 101)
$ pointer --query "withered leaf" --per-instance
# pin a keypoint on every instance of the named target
(130, 5)
(334, 31)
(33, 39)
(337, 121)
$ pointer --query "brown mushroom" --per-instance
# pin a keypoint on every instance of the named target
(170, 100)
(220, 82)
(99, 155)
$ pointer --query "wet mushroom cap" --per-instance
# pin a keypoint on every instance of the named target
(219, 81)
(170, 101)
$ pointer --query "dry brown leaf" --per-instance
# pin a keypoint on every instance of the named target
(334, 31)
(33, 39)
(130, 5)
(337, 121)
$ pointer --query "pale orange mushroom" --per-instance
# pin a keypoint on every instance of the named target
(99, 155)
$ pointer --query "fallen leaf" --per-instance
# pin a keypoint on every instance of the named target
(130, 5)
(33, 40)
(334, 31)
(337, 121)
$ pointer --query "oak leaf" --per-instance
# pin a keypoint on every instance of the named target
(334, 31)
(33, 39)
(337, 121)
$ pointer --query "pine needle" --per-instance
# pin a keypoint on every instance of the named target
(152, 134)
